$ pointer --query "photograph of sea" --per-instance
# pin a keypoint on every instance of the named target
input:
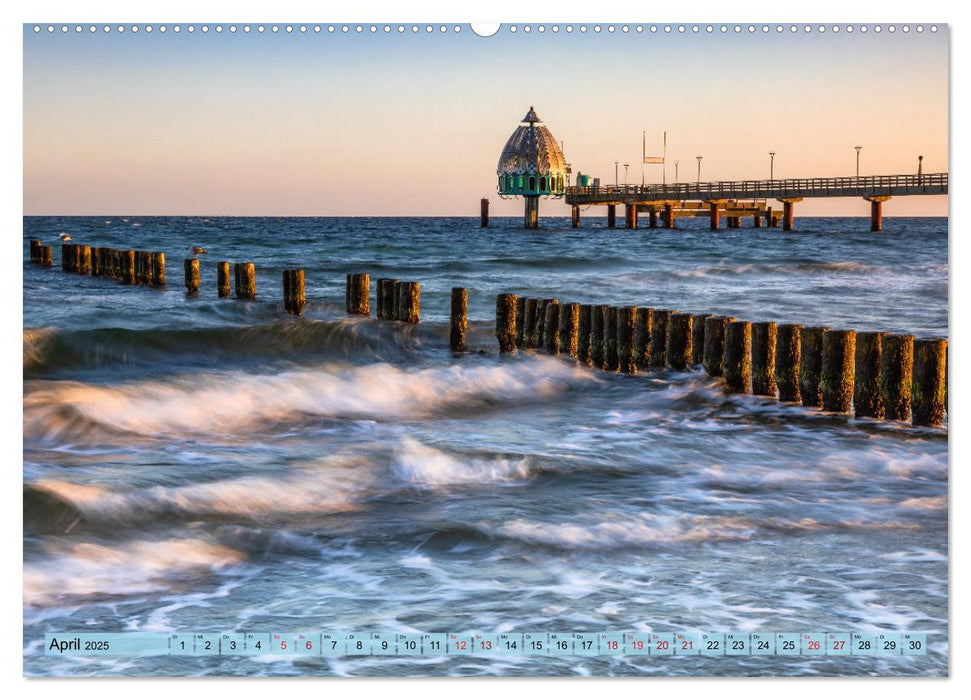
(328, 336)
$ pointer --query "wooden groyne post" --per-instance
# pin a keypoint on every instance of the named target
(551, 328)
(294, 293)
(245, 280)
(811, 365)
(929, 382)
(584, 333)
(839, 355)
(157, 260)
(787, 361)
(191, 267)
(611, 358)
(763, 358)
(626, 339)
(506, 323)
(530, 317)
(679, 340)
(643, 323)
(570, 330)
(222, 279)
(359, 294)
(738, 356)
(867, 398)
(598, 317)
(659, 337)
(409, 302)
(459, 317)
(698, 338)
(896, 375)
(45, 256)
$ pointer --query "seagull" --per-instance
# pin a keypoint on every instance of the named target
(65, 236)
(197, 250)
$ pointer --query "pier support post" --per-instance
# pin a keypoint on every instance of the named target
(867, 400)
(738, 356)
(626, 337)
(630, 216)
(787, 212)
(659, 337)
(698, 338)
(714, 214)
(191, 266)
(680, 340)
(222, 278)
(788, 340)
(611, 356)
(530, 315)
(598, 318)
(763, 358)
(484, 213)
(409, 305)
(575, 215)
(569, 330)
(757, 221)
(532, 212)
(653, 218)
(245, 280)
(839, 355)
(584, 333)
(611, 215)
(811, 365)
(158, 269)
(668, 216)
(876, 212)
(930, 382)
(551, 328)
(644, 323)
(896, 375)
(459, 318)
(505, 322)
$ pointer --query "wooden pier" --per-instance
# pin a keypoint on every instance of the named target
(736, 200)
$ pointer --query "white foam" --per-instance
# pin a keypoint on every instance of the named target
(421, 465)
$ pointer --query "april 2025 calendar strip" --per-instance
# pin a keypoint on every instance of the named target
(496, 644)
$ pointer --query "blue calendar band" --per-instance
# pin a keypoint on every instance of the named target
(487, 644)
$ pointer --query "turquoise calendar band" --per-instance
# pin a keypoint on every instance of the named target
(499, 644)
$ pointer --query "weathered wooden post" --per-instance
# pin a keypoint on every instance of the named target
(867, 400)
(659, 337)
(96, 262)
(143, 266)
(626, 338)
(787, 361)
(929, 384)
(896, 375)
(585, 325)
(551, 328)
(361, 294)
(763, 358)
(598, 318)
(811, 365)
(128, 267)
(348, 292)
(738, 356)
(158, 269)
(408, 310)
(298, 294)
(484, 213)
(643, 324)
(611, 216)
(84, 259)
(520, 321)
(575, 216)
(679, 340)
(45, 256)
(459, 317)
(569, 329)
(65, 256)
(714, 355)
(541, 322)
(530, 314)
(387, 298)
(245, 280)
(839, 354)
(35, 251)
(378, 300)
(222, 279)
(191, 266)
(505, 322)
(698, 338)
(395, 299)
(611, 358)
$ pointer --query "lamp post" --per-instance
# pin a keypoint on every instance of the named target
(858, 149)
(920, 168)
(676, 170)
(772, 165)
(626, 166)
(616, 178)
(699, 169)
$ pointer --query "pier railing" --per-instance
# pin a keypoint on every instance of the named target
(867, 186)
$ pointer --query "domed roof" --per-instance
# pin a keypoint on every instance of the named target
(531, 150)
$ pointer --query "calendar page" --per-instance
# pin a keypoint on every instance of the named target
(550, 349)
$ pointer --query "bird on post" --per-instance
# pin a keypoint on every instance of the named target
(197, 251)
(65, 236)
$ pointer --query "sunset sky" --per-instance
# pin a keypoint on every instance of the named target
(405, 124)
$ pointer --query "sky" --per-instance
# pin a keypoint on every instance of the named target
(412, 124)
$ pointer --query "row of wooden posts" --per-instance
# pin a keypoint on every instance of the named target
(872, 374)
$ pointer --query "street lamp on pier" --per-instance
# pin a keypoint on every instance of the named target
(772, 165)
(626, 166)
(616, 178)
(676, 170)
(699, 168)
(858, 149)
